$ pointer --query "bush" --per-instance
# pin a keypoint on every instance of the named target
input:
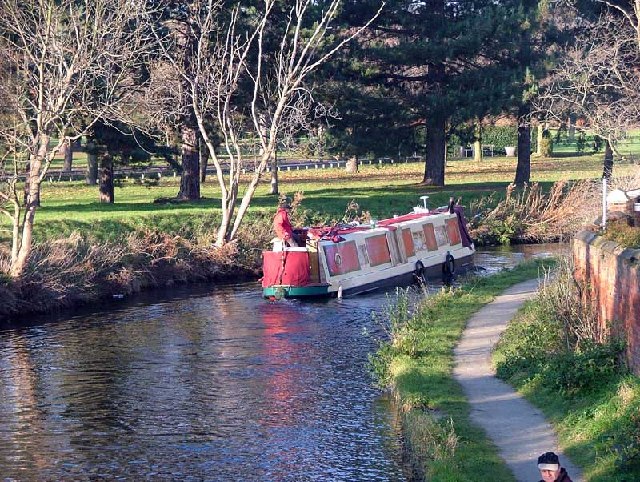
(556, 340)
(546, 144)
(623, 234)
(571, 372)
(500, 137)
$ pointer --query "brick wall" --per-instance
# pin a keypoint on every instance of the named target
(612, 277)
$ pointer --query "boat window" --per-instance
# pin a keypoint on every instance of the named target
(441, 235)
(453, 231)
(378, 250)
(407, 238)
(342, 258)
(419, 241)
(431, 236)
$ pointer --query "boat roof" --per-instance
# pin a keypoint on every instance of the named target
(327, 232)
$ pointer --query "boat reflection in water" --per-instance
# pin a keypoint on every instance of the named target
(309, 428)
(217, 386)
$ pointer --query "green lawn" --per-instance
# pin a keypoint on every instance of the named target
(383, 190)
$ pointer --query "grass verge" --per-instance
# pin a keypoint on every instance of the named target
(417, 361)
(548, 354)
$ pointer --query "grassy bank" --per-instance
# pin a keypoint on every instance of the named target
(75, 272)
(417, 361)
(548, 354)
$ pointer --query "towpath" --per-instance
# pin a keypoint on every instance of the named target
(518, 429)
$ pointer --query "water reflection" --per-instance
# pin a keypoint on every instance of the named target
(217, 387)
(493, 259)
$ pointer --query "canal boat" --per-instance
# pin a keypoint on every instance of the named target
(347, 259)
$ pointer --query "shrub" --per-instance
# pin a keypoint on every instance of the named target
(546, 144)
(594, 363)
(529, 214)
(623, 234)
(556, 340)
(500, 137)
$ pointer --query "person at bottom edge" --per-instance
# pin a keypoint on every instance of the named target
(550, 469)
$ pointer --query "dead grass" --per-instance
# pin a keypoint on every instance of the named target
(564, 299)
(531, 215)
(77, 271)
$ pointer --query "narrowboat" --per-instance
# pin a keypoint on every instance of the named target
(348, 259)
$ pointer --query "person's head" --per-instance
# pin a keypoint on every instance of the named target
(285, 203)
(549, 466)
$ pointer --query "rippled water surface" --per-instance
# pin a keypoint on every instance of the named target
(207, 384)
(220, 386)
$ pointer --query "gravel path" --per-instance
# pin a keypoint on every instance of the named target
(518, 428)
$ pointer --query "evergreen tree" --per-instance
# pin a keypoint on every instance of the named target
(443, 63)
(115, 144)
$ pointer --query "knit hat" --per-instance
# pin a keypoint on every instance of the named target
(548, 461)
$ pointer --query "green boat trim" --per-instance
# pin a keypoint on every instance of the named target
(288, 291)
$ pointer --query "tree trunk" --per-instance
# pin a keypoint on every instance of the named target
(352, 164)
(608, 160)
(571, 128)
(204, 161)
(27, 185)
(523, 169)
(31, 205)
(190, 180)
(67, 154)
(540, 128)
(320, 143)
(92, 163)
(106, 179)
(477, 142)
(274, 174)
(435, 150)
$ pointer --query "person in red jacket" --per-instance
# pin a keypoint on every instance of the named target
(282, 224)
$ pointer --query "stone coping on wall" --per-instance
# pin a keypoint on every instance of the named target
(591, 238)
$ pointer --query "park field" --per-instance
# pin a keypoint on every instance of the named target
(382, 190)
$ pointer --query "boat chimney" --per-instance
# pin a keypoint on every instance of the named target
(451, 204)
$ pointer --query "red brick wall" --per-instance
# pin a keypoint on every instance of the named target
(612, 277)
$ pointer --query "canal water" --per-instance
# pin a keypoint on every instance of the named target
(204, 383)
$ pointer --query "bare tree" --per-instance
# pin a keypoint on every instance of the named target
(598, 79)
(234, 90)
(630, 9)
(66, 63)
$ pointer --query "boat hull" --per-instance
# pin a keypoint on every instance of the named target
(277, 292)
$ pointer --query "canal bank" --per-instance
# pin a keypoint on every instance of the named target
(550, 353)
(519, 430)
(443, 441)
(74, 272)
(584, 389)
